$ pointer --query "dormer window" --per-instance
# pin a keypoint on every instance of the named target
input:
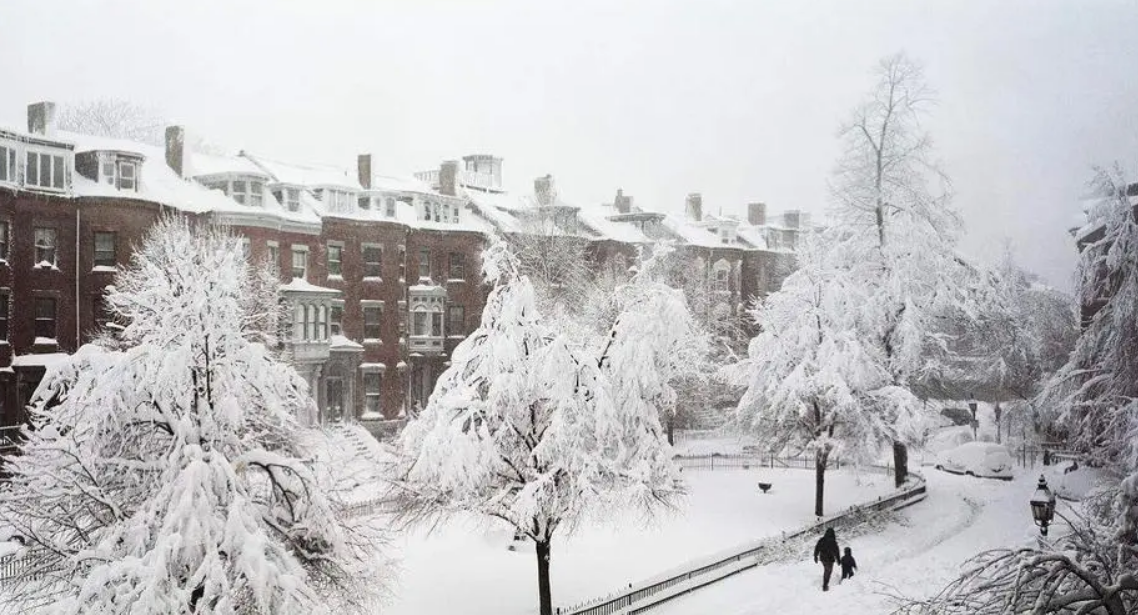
(390, 213)
(337, 201)
(44, 170)
(288, 197)
(365, 202)
(248, 192)
(7, 164)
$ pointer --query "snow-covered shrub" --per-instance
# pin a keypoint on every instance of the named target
(161, 476)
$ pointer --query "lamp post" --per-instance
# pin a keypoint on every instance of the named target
(1043, 506)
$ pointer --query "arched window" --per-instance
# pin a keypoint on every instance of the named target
(321, 323)
(310, 322)
(298, 323)
(721, 281)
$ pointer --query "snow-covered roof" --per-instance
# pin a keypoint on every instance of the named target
(300, 285)
(387, 183)
(342, 343)
(201, 165)
(311, 176)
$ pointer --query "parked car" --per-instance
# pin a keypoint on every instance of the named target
(982, 459)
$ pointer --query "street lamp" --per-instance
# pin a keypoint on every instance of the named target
(1043, 506)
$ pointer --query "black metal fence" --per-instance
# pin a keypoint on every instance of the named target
(704, 572)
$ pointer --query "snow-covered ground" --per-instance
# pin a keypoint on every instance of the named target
(467, 562)
(916, 556)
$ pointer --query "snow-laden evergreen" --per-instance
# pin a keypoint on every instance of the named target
(161, 476)
(523, 427)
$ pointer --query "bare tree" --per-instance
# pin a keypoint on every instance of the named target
(115, 118)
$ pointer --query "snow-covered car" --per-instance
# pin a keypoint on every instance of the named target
(982, 459)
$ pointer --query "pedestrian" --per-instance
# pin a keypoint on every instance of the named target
(849, 565)
(827, 550)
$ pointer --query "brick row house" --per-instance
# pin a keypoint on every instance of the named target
(380, 275)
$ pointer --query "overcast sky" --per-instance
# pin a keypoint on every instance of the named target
(737, 100)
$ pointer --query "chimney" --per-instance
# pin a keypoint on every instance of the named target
(695, 206)
(176, 149)
(448, 177)
(41, 118)
(792, 218)
(363, 170)
(757, 213)
(544, 191)
(623, 204)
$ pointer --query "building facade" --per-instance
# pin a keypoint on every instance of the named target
(380, 275)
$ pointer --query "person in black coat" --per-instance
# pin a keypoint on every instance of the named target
(828, 552)
(849, 565)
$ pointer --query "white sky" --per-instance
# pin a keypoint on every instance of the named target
(737, 100)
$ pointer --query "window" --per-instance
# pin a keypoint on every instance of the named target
(321, 330)
(3, 241)
(44, 170)
(456, 320)
(246, 249)
(104, 249)
(292, 199)
(373, 313)
(722, 276)
(390, 207)
(335, 260)
(299, 262)
(298, 323)
(7, 164)
(373, 387)
(239, 190)
(365, 202)
(336, 319)
(45, 317)
(127, 174)
(107, 171)
(424, 263)
(45, 247)
(419, 324)
(4, 315)
(402, 263)
(373, 262)
(457, 266)
(437, 324)
(309, 322)
(274, 254)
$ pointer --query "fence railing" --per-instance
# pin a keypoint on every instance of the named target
(745, 462)
(704, 571)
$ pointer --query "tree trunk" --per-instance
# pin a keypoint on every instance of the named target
(545, 595)
(999, 424)
(819, 481)
(671, 429)
(900, 463)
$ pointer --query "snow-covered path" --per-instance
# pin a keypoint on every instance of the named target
(916, 556)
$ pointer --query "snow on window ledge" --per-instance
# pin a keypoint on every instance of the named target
(456, 281)
(3, 342)
(373, 341)
(103, 269)
(45, 341)
(45, 265)
(371, 416)
(372, 278)
(335, 277)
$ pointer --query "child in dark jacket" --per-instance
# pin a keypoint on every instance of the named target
(849, 564)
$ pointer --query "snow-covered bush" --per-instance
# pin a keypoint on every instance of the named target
(161, 476)
(523, 427)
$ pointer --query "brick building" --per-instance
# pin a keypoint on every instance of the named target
(380, 275)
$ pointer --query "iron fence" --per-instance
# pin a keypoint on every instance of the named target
(705, 572)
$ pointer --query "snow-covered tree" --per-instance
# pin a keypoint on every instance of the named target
(522, 427)
(162, 475)
(653, 344)
(896, 232)
(813, 382)
(1093, 568)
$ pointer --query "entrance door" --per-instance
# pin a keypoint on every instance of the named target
(334, 400)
